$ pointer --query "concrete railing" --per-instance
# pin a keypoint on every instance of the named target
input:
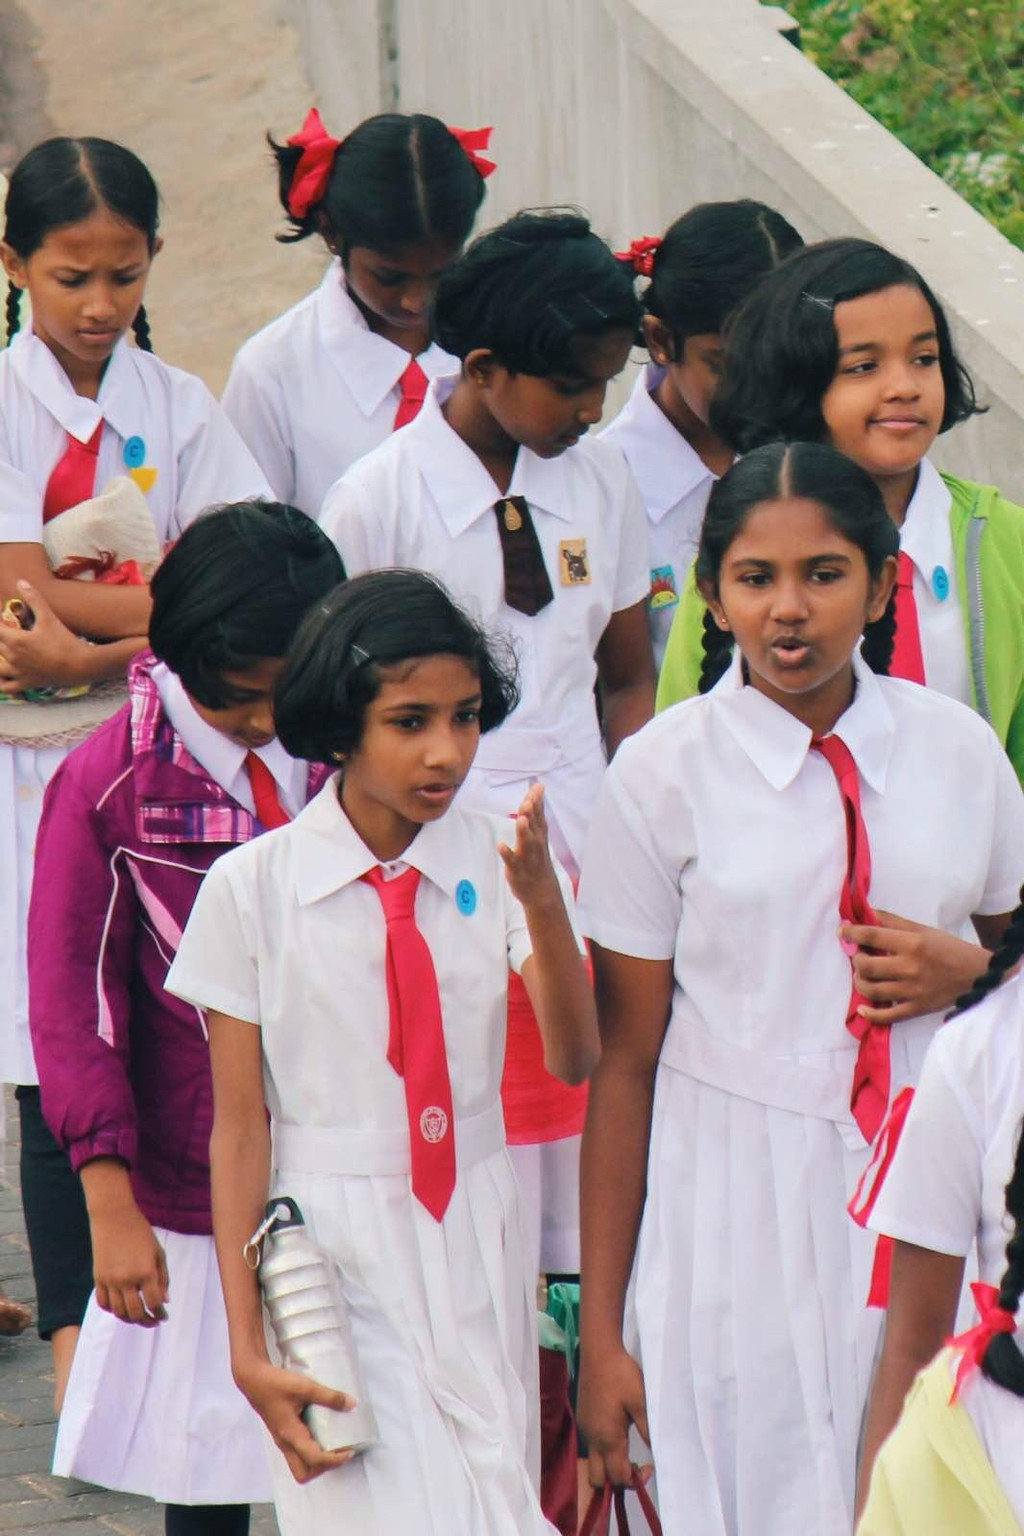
(636, 109)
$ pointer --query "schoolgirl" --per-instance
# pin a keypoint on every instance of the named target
(731, 1108)
(397, 1162)
(543, 538)
(700, 272)
(331, 378)
(847, 344)
(957, 1178)
(79, 406)
(132, 821)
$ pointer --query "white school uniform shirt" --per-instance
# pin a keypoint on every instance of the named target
(719, 844)
(224, 759)
(946, 1185)
(316, 389)
(675, 484)
(175, 425)
(926, 536)
(285, 934)
(425, 500)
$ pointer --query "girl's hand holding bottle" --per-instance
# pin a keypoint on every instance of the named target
(280, 1398)
(50, 655)
(129, 1267)
(555, 975)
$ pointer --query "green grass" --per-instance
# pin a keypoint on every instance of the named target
(945, 77)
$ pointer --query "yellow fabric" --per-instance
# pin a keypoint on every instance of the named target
(932, 1476)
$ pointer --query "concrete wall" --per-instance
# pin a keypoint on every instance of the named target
(635, 109)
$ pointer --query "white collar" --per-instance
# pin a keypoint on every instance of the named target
(664, 465)
(777, 742)
(118, 401)
(333, 855)
(460, 485)
(222, 758)
(926, 535)
(370, 365)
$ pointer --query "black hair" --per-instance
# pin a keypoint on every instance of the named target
(530, 290)
(781, 348)
(397, 180)
(818, 473)
(347, 643)
(63, 181)
(233, 590)
(1003, 1362)
(710, 260)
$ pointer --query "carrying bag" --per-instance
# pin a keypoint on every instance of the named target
(598, 1518)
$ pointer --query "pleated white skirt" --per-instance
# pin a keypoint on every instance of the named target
(155, 1410)
(444, 1325)
(755, 1340)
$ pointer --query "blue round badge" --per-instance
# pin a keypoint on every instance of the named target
(940, 583)
(135, 453)
(465, 897)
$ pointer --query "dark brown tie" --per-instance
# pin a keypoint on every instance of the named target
(527, 585)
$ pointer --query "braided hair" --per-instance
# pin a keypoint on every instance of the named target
(818, 473)
(1003, 1362)
(64, 181)
(140, 330)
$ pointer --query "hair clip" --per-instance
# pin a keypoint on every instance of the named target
(472, 141)
(316, 162)
(815, 298)
(361, 656)
(641, 255)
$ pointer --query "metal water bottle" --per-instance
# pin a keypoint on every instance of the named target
(310, 1323)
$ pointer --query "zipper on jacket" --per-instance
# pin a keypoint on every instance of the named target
(976, 615)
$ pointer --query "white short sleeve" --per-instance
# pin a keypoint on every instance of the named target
(349, 531)
(932, 1194)
(633, 571)
(215, 967)
(629, 896)
(214, 465)
(1006, 858)
(21, 507)
(251, 404)
(520, 945)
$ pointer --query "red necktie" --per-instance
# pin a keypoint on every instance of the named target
(413, 385)
(74, 478)
(269, 810)
(416, 1047)
(907, 658)
(869, 1099)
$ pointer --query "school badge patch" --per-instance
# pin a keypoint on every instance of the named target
(663, 593)
(574, 563)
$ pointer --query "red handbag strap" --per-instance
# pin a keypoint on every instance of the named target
(597, 1520)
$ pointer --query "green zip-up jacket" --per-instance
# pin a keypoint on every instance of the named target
(988, 546)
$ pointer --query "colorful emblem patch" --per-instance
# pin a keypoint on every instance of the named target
(574, 563)
(664, 592)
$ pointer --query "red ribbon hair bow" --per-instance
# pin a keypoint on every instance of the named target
(472, 141)
(314, 168)
(641, 255)
(974, 1343)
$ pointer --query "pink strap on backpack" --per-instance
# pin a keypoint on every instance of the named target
(598, 1518)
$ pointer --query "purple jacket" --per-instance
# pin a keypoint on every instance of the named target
(130, 825)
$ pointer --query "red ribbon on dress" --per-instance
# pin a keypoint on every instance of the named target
(313, 171)
(109, 574)
(641, 255)
(868, 1188)
(472, 141)
(974, 1343)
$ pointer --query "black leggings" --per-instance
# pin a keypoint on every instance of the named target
(55, 1221)
(206, 1520)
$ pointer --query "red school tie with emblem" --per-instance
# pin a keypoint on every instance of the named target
(869, 1099)
(416, 1047)
(907, 656)
(413, 385)
(270, 813)
(74, 476)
